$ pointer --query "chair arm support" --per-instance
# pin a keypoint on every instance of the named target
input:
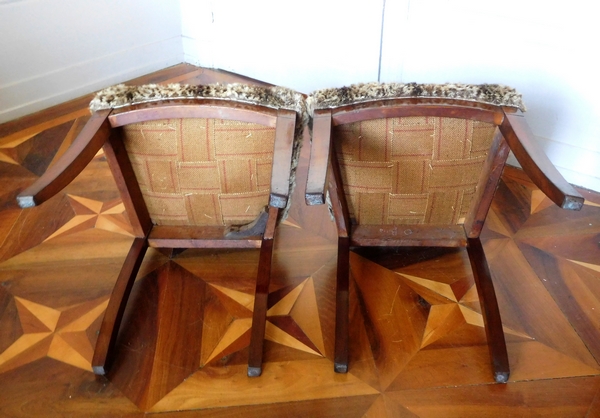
(70, 164)
(282, 158)
(320, 148)
(536, 164)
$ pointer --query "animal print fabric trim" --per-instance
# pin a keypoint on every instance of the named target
(124, 95)
(494, 94)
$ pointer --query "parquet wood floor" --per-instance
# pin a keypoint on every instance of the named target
(417, 343)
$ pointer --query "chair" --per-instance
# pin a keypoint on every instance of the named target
(418, 165)
(197, 167)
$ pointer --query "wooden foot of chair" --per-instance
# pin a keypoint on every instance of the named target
(103, 354)
(489, 309)
(259, 317)
(342, 306)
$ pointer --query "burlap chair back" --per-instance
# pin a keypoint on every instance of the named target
(411, 170)
(202, 171)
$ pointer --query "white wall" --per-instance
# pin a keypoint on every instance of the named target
(547, 50)
(55, 50)
(302, 45)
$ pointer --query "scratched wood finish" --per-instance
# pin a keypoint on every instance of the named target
(417, 336)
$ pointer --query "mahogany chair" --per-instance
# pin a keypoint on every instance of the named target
(418, 165)
(196, 167)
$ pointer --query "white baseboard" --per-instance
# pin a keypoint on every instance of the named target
(54, 87)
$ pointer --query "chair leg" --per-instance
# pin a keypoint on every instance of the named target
(104, 352)
(489, 309)
(342, 313)
(259, 316)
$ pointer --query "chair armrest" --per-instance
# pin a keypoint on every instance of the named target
(536, 164)
(320, 148)
(282, 158)
(70, 164)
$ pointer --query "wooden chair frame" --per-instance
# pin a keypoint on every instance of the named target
(512, 133)
(103, 131)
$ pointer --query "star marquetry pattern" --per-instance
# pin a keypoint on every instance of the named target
(14, 151)
(61, 334)
(539, 202)
(448, 308)
(89, 213)
(292, 320)
(38, 148)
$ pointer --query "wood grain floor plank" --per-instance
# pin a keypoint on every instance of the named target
(512, 205)
(575, 288)
(65, 392)
(537, 361)
(279, 383)
(229, 321)
(46, 119)
(70, 276)
(532, 307)
(344, 407)
(394, 311)
(36, 219)
(594, 410)
(161, 336)
(383, 407)
(548, 398)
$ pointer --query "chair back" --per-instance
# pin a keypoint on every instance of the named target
(203, 157)
(411, 154)
(202, 172)
(411, 170)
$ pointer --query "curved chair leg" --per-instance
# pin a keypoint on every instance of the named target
(259, 316)
(342, 318)
(103, 354)
(489, 309)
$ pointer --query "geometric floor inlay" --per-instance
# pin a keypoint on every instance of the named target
(417, 342)
(59, 334)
